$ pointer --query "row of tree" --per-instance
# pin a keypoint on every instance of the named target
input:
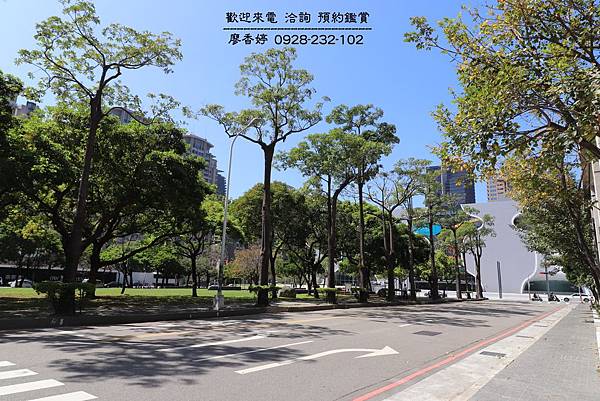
(529, 75)
(87, 188)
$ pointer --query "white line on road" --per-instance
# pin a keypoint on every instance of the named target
(264, 367)
(22, 387)
(76, 396)
(12, 374)
(405, 325)
(254, 351)
(370, 353)
(239, 340)
(4, 364)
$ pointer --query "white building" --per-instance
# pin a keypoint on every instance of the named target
(201, 147)
(520, 268)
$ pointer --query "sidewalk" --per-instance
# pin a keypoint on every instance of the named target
(561, 365)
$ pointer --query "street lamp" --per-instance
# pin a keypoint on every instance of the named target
(219, 301)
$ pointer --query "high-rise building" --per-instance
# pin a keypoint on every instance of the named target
(456, 183)
(221, 185)
(23, 109)
(497, 189)
(201, 147)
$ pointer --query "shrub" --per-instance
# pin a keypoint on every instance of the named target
(63, 297)
(287, 292)
(330, 294)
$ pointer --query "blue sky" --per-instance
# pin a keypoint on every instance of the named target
(407, 84)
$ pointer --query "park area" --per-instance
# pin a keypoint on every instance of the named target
(25, 302)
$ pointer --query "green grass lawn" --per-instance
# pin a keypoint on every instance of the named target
(139, 292)
(147, 292)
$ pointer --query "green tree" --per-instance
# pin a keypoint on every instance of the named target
(474, 235)
(329, 160)
(555, 215)
(435, 205)
(143, 181)
(364, 120)
(82, 63)
(306, 247)
(453, 219)
(198, 231)
(10, 89)
(406, 178)
(285, 200)
(280, 94)
(530, 74)
(27, 241)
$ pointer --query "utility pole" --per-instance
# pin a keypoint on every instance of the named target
(499, 279)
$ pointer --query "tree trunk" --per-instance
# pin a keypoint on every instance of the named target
(362, 271)
(265, 252)
(458, 290)
(478, 288)
(391, 293)
(314, 282)
(73, 249)
(194, 276)
(273, 277)
(331, 243)
(434, 291)
(411, 261)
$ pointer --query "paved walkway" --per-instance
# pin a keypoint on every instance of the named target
(561, 365)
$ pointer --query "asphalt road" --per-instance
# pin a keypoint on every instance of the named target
(329, 355)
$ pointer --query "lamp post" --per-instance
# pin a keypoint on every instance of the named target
(219, 301)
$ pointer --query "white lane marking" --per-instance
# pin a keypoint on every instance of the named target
(4, 364)
(239, 340)
(264, 367)
(461, 380)
(254, 351)
(370, 353)
(12, 374)
(76, 396)
(23, 387)
(405, 325)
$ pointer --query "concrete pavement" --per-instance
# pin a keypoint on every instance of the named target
(324, 355)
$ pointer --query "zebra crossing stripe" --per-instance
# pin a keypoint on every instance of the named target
(4, 364)
(23, 387)
(12, 374)
(76, 396)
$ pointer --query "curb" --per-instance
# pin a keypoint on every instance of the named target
(95, 320)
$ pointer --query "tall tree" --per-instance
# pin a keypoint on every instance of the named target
(82, 63)
(451, 221)
(10, 89)
(364, 120)
(280, 95)
(199, 229)
(474, 235)
(143, 181)
(407, 185)
(247, 210)
(330, 161)
(435, 204)
(530, 74)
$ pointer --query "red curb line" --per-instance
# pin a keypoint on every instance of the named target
(454, 357)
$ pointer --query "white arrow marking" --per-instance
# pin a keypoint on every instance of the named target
(371, 352)
(239, 340)
(6, 363)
